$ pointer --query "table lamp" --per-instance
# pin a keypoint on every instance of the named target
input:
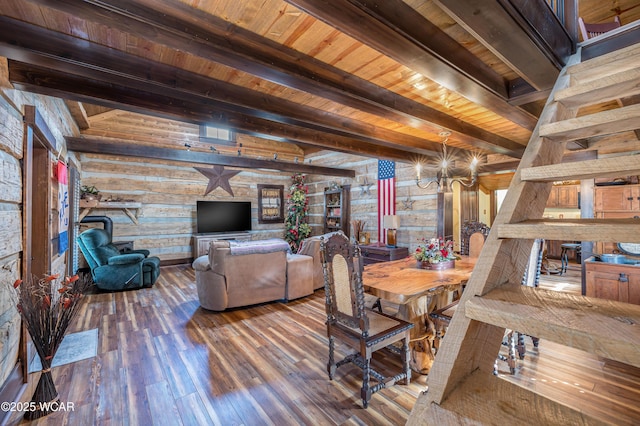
(391, 223)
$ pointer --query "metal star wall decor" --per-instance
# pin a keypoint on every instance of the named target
(365, 187)
(408, 204)
(218, 177)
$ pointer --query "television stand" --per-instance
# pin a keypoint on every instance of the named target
(201, 242)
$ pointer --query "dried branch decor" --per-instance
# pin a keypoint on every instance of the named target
(47, 308)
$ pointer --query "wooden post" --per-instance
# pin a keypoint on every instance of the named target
(444, 227)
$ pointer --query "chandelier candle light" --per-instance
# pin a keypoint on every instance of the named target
(443, 180)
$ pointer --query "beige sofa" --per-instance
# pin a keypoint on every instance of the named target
(311, 247)
(237, 274)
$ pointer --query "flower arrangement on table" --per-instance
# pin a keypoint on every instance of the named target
(435, 251)
(47, 308)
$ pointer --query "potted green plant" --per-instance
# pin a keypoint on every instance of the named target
(89, 196)
(89, 193)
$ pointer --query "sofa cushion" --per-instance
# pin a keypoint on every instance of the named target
(259, 246)
(201, 263)
(218, 250)
(299, 276)
(255, 278)
(249, 278)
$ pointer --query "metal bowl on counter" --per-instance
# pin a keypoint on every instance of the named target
(630, 255)
(612, 258)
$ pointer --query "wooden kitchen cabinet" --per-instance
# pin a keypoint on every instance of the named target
(617, 198)
(607, 247)
(564, 197)
(612, 281)
(615, 202)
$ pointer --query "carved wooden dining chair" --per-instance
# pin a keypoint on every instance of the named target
(593, 30)
(476, 242)
(467, 230)
(363, 329)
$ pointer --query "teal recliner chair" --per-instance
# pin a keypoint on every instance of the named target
(112, 270)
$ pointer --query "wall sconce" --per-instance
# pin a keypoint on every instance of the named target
(442, 179)
(391, 223)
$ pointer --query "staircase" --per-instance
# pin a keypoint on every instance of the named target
(462, 388)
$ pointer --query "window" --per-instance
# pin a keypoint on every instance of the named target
(217, 135)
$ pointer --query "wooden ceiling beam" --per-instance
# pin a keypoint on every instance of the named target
(520, 93)
(79, 114)
(60, 84)
(506, 36)
(52, 50)
(130, 149)
(193, 31)
(397, 30)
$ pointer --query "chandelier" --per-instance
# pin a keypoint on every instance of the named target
(442, 178)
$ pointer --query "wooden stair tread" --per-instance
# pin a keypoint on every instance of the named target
(483, 397)
(605, 230)
(598, 124)
(611, 63)
(603, 327)
(626, 165)
(616, 86)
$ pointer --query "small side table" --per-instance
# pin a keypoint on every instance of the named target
(375, 253)
(564, 259)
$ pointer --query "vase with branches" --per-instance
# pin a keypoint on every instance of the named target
(47, 307)
(296, 226)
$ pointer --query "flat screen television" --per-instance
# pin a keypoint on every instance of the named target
(223, 216)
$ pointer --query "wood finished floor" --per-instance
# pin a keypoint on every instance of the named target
(162, 360)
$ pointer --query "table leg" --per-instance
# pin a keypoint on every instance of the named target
(422, 334)
(564, 261)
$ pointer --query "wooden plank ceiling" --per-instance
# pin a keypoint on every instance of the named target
(377, 78)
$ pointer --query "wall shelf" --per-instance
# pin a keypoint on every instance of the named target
(125, 206)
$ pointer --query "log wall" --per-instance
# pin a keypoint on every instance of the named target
(168, 192)
(416, 207)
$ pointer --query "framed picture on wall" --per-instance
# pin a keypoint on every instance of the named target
(270, 203)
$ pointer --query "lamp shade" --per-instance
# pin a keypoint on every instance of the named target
(391, 221)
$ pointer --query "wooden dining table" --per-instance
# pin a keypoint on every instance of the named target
(417, 292)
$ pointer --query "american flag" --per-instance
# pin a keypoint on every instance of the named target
(386, 194)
